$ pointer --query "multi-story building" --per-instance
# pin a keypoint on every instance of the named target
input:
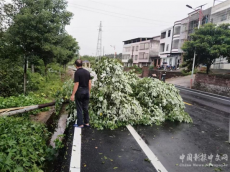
(180, 35)
(141, 50)
(165, 45)
(170, 45)
(194, 20)
(220, 14)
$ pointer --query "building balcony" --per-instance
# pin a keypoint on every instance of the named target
(176, 35)
(175, 50)
(142, 60)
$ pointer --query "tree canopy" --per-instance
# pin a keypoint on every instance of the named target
(33, 30)
(209, 42)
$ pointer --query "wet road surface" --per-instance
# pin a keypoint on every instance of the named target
(180, 147)
(112, 151)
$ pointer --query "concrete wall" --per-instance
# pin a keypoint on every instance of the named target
(221, 63)
(218, 84)
(169, 74)
(154, 48)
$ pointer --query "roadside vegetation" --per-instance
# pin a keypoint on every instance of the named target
(136, 69)
(23, 145)
(34, 52)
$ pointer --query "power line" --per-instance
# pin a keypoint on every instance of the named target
(118, 13)
(118, 16)
(99, 11)
(115, 6)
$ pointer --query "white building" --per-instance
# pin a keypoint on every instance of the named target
(140, 50)
(171, 42)
(166, 45)
(180, 35)
(220, 14)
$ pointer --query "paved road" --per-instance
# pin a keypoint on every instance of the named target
(204, 140)
(207, 135)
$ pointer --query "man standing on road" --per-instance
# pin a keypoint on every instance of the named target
(81, 90)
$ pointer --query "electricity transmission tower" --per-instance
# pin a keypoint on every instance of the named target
(99, 42)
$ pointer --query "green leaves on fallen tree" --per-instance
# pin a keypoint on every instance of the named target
(120, 98)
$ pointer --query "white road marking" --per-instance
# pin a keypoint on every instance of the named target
(151, 156)
(75, 163)
(202, 94)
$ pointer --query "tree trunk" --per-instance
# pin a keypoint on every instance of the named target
(208, 68)
(45, 69)
(25, 71)
(46, 72)
(32, 68)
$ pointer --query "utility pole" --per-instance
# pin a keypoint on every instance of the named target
(199, 23)
(99, 42)
(114, 51)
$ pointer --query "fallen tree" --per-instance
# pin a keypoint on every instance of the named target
(18, 110)
(119, 98)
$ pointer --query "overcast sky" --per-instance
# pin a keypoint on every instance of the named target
(123, 20)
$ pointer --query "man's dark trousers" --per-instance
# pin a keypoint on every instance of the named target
(82, 103)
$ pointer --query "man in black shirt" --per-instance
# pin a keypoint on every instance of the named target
(81, 90)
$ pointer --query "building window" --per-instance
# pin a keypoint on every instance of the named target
(141, 55)
(147, 46)
(167, 47)
(175, 44)
(169, 33)
(170, 61)
(211, 21)
(193, 24)
(136, 56)
(127, 49)
(146, 55)
(177, 30)
(184, 28)
(136, 48)
(205, 20)
(163, 35)
(223, 17)
(126, 57)
(142, 46)
(162, 47)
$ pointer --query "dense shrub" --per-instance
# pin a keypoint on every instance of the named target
(11, 79)
(23, 145)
